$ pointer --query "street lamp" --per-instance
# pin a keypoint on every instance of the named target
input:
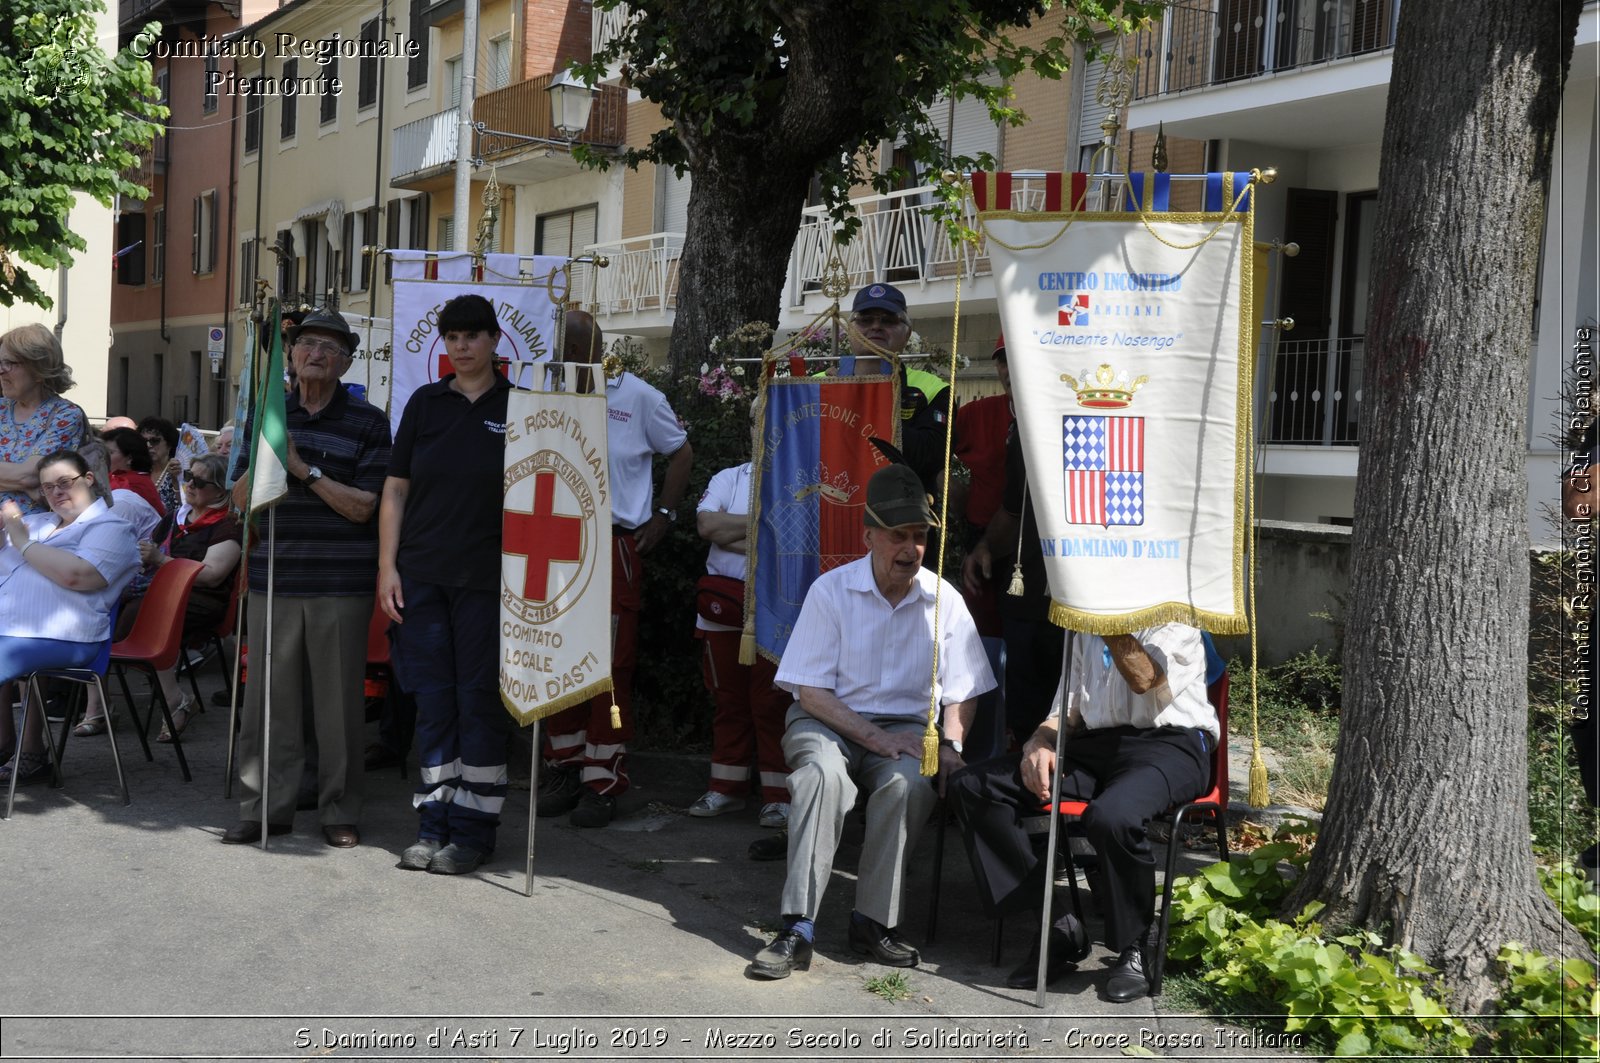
(570, 103)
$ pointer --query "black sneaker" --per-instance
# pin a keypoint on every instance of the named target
(559, 789)
(594, 810)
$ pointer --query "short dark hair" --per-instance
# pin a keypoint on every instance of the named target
(133, 447)
(70, 457)
(162, 427)
(468, 313)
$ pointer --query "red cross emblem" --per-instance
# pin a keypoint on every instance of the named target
(543, 537)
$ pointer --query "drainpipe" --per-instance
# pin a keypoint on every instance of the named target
(227, 249)
(377, 187)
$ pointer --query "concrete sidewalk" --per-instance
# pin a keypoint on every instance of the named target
(130, 931)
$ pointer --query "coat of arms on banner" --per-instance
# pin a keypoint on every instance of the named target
(1104, 462)
(555, 593)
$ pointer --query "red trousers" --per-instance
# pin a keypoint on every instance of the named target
(750, 713)
(583, 735)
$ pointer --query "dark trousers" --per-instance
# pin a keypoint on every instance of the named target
(1131, 775)
(446, 654)
(1034, 650)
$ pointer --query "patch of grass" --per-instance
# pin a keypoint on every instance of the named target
(1298, 709)
(893, 987)
(1557, 812)
(649, 867)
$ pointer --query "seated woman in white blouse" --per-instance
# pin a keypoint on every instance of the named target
(60, 575)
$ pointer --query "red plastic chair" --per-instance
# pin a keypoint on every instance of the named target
(212, 641)
(379, 684)
(154, 644)
(1214, 803)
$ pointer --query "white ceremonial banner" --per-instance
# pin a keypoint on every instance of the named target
(555, 561)
(1130, 347)
(527, 291)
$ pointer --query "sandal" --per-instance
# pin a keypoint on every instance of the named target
(28, 767)
(91, 725)
(189, 708)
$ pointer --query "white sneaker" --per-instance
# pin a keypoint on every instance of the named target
(712, 803)
(775, 814)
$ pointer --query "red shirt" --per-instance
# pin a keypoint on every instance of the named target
(980, 443)
(140, 484)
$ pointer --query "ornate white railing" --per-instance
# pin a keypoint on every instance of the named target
(606, 25)
(642, 276)
(1313, 394)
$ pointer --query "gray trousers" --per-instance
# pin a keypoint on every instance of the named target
(825, 772)
(319, 662)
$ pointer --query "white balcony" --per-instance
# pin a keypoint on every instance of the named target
(606, 25)
(638, 292)
(423, 145)
(1310, 393)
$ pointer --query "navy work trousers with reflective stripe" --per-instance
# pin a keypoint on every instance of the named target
(445, 657)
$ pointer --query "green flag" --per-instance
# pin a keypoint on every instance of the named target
(269, 449)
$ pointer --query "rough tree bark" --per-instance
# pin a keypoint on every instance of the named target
(1425, 835)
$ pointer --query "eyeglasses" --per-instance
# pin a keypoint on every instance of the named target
(8, 366)
(871, 320)
(63, 485)
(330, 347)
(153, 439)
(194, 481)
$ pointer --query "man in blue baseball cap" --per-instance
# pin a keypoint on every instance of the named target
(880, 323)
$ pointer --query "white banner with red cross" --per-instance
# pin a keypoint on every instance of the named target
(555, 559)
(527, 291)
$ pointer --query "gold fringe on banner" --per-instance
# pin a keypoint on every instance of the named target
(555, 705)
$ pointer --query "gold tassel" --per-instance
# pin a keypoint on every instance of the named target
(616, 717)
(1016, 589)
(1258, 780)
(930, 750)
(747, 648)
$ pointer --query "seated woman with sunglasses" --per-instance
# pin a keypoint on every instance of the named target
(60, 575)
(210, 536)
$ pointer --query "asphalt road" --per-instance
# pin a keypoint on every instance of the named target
(129, 932)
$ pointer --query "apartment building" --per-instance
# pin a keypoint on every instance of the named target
(1302, 85)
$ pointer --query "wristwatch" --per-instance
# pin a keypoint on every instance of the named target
(670, 514)
(953, 743)
(313, 474)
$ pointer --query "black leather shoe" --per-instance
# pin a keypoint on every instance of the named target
(249, 832)
(772, 847)
(594, 810)
(788, 952)
(456, 859)
(559, 790)
(341, 835)
(882, 944)
(1068, 945)
(1128, 981)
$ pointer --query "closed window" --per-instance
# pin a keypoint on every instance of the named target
(253, 104)
(203, 241)
(158, 244)
(329, 100)
(289, 103)
(367, 80)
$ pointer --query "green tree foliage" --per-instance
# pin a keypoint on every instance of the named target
(760, 98)
(72, 119)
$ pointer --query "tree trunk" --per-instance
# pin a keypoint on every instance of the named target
(744, 214)
(1425, 836)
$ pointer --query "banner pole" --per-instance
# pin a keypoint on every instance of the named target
(233, 686)
(1050, 851)
(533, 804)
(266, 677)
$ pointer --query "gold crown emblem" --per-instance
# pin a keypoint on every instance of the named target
(1106, 390)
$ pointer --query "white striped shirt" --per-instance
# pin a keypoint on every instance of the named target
(878, 658)
(32, 605)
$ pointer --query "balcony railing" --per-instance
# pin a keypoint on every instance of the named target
(1313, 394)
(1201, 44)
(642, 276)
(897, 241)
(522, 109)
(424, 144)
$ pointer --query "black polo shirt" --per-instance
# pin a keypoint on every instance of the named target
(454, 453)
(318, 552)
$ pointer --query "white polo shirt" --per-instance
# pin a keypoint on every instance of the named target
(640, 424)
(877, 658)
